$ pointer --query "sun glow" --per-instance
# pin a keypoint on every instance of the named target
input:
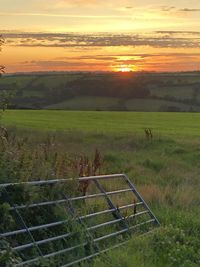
(125, 68)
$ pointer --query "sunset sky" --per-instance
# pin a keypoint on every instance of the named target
(94, 35)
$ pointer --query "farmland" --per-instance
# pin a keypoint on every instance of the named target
(177, 125)
(164, 169)
(104, 91)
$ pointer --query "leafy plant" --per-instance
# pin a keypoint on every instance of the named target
(7, 257)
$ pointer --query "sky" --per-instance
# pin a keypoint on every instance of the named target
(94, 35)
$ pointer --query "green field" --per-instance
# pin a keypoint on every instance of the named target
(87, 103)
(157, 105)
(178, 92)
(92, 103)
(166, 170)
(20, 81)
(168, 124)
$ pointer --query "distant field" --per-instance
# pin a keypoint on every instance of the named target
(32, 93)
(90, 103)
(157, 105)
(175, 124)
(105, 91)
(49, 80)
(56, 80)
(20, 81)
(179, 92)
(87, 103)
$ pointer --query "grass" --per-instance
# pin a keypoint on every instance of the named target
(179, 92)
(166, 170)
(48, 80)
(32, 93)
(56, 80)
(178, 125)
(87, 103)
(155, 105)
(21, 81)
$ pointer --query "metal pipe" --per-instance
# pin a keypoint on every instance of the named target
(131, 185)
(53, 254)
(33, 228)
(21, 231)
(54, 181)
(81, 217)
(117, 220)
(122, 231)
(110, 210)
(80, 245)
(41, 242)
(94, 255)
(100, 194)
(71, 199)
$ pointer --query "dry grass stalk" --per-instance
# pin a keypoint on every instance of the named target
(148, 133)
(89, 168)
(3, 136)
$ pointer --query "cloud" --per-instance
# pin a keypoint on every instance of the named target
(143, 61)
(188, 33)
(57, 15)
(168, 8)
(101, 60)
(189, 9)
(174, 9)
(61, 64)
(89, 3)
(161, 39)
(76, 2)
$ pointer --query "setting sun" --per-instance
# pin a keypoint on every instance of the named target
(125, 68)
(86, 35)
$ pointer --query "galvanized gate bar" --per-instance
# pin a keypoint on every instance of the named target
(72, 211)
(94, 255)
(116, 213)
(90, 228)
(140, 198)
(40, 242)
(55, 181)
(128, 223)
(81, 245)
(34, 228)
(71, 199)
(22, 222)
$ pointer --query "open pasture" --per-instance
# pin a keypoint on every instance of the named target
(178, 125)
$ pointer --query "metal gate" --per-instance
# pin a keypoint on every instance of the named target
(52, 222)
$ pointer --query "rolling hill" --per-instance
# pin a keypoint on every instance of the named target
(104, 91)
